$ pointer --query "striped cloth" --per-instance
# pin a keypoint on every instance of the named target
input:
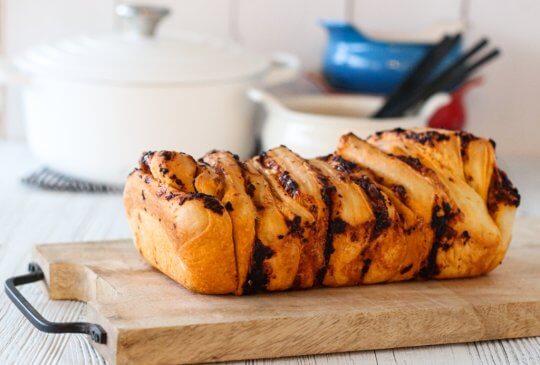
(48, 179)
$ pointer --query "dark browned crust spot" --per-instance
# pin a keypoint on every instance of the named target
(365, 267)
(229, 207)
(395, 130)
(327, 192)
(209, 201)
(257, 278)
(465, 236)
(219, 170)
(465, 139)
(377, 203)
(250, 188)
(280, 236)
(338, 226)
(144, 161)
(142, 195)
(147, 179)
(202, 161)
(265, 161)
(406, 269)
(163, 170)
(400, 191)
(425, 137)
(441, 215)
(167, 155)
(413, 162)
(177, 181)
(501, 191)
(170, 196)
(288, 183)
(343, 165)
(295, 226)
(290, 186)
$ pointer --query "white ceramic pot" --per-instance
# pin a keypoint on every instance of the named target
(312, 124)
(93, 104)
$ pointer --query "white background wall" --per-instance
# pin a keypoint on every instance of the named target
(506, 107)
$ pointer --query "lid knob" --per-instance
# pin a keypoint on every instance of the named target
(141, 20)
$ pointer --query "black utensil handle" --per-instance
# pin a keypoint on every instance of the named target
(96, 332)
(443, 82)
(439, 83)
(420, 73)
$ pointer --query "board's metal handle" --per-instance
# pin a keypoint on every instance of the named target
(96, 332)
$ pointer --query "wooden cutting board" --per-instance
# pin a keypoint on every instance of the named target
(151, 319)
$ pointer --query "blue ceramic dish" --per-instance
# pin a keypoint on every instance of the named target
(356, 63)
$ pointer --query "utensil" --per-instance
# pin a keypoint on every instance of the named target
(354, 62)
(421, 71)
(453, 75)
(91, 103)
(312, 124)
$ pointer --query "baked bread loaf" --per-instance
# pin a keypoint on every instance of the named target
(403, 204)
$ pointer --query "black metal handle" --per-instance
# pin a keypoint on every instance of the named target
(96, 332)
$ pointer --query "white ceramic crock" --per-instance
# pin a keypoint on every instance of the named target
(93, 104)
(311, 125)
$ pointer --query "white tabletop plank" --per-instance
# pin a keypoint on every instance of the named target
(29, 216)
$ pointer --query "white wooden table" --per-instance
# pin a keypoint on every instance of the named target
(29, 216)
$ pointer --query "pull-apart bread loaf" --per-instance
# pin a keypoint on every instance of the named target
(403, 204)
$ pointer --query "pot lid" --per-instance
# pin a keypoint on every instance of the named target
(136, 55)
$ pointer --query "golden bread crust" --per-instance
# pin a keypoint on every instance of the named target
(185, 240)
(403, 204)
(240, 207)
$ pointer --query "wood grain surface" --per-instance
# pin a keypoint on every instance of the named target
(150, 319)
(29, 216)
